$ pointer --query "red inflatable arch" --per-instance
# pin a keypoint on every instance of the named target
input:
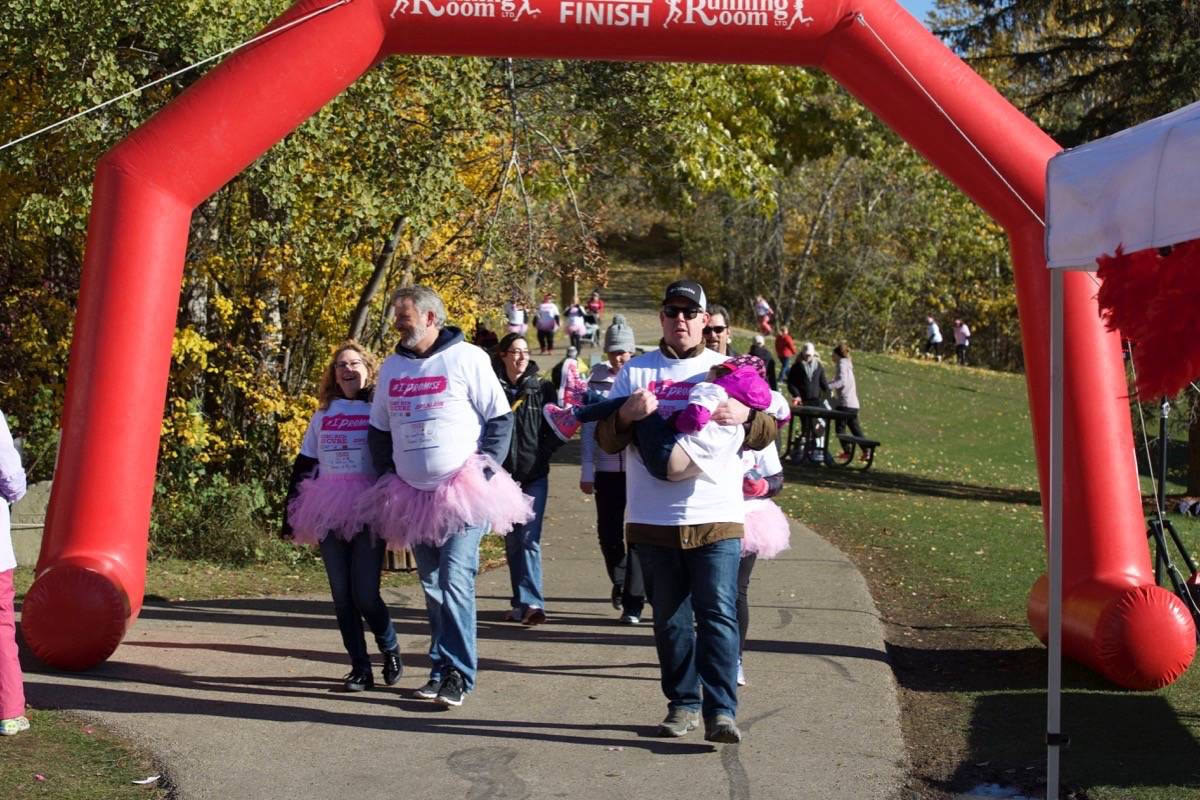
(91, 573)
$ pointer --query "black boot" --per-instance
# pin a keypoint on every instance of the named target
(359, 681)
(393, 667)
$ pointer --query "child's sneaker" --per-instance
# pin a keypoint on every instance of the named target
(11, 727)
(562, 420)
(573, 386)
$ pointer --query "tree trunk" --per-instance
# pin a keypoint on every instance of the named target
(1193, 472)
(359, 319)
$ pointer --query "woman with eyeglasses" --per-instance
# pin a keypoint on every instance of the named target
(332, 470)
(533, 443)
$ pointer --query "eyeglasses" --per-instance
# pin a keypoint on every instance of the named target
(718, 329)
(515, 353)
(675, 311)
(348, 364)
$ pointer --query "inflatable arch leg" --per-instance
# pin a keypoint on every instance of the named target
(91, 571)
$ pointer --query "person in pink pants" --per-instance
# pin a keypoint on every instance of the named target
(12, 686)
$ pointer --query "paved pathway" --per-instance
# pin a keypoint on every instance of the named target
(240, 698)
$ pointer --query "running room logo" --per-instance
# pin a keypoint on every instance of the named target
(416, 387)
(742, 13)
(505, 9)
(345, 422)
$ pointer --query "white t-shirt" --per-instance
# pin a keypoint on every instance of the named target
(337, 438)
(514, 314)
(713, 496)
(760, 463)
(435, 409)
(546, 313)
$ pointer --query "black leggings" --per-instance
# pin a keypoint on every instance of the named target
(546, 339)
(855, 428)
(621, 562)
(745, 567)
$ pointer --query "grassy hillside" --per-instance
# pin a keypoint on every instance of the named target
(947, 528)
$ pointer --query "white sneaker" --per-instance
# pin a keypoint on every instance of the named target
(11, 727)
(631, 619)
(741, 676)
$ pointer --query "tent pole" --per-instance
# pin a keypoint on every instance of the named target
(1054, 738)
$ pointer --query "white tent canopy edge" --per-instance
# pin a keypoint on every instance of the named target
(1134, 189)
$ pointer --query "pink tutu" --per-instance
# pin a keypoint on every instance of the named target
(405, 516)
(327, 503)
(767, 530)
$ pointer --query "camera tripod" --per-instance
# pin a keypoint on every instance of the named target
(1159, 528)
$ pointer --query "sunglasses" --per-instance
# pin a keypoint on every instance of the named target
(718, 329)
(675, 311)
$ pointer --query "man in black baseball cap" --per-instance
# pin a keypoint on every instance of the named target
(686, 290)
(690, 529)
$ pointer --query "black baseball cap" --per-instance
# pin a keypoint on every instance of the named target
(686, 290)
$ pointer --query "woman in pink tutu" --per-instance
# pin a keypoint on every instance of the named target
(331, 472)
(766, 528)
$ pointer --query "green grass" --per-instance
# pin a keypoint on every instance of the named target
(947, 528)
(66, 758)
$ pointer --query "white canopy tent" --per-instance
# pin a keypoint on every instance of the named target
(1136, 189)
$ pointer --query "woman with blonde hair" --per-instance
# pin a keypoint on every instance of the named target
(333, 469)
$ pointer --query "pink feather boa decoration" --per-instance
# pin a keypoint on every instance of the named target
(1148, 298)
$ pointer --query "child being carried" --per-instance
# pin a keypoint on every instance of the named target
(656, 436)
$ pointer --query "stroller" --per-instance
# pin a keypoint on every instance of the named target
(591, 328)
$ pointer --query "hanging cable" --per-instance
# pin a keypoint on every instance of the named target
(863, 21)
(176, 73)
(1158, 512)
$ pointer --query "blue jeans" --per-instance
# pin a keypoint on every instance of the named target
(523, 548)
(694, 596)
(448, 578)
(353, 568)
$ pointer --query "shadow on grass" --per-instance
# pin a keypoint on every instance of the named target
(903, 483)
(1118, 739)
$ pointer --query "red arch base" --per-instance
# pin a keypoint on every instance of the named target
(91, 572)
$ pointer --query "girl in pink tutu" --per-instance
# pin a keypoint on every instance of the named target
(331, 473)
(766, 528)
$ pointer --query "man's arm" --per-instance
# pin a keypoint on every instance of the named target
(611, 440)
(615, 433)
(303, 467)
(496, 437)
(380, 444)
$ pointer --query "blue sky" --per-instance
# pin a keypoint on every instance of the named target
(918, 8)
